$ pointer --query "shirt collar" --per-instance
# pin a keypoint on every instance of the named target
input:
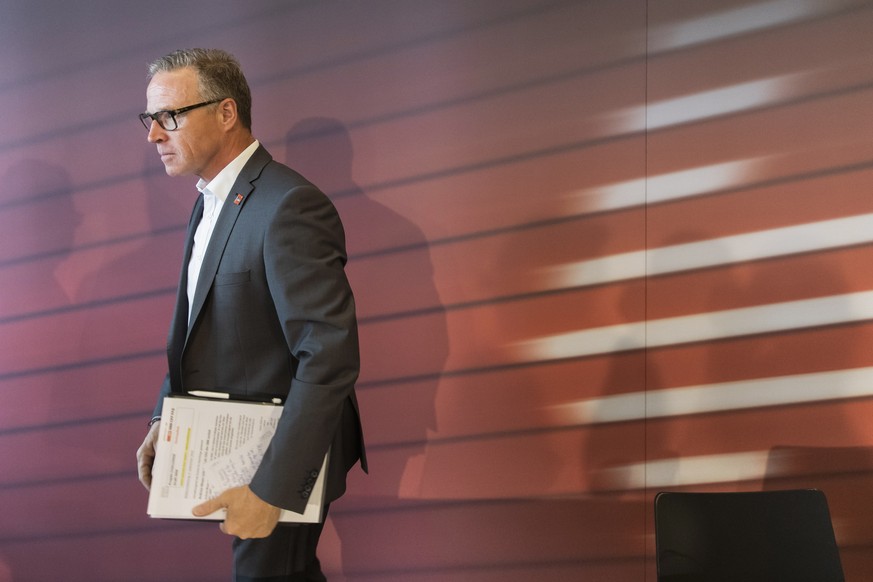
(221, 184)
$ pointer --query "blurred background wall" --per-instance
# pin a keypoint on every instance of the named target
(600, 248)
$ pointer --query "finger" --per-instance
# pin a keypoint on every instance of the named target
(208, 507)
(144, 469)
(145, 458)
(145, 476)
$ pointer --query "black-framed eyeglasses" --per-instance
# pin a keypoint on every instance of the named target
(167, 118)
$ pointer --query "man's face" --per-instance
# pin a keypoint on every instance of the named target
(192, 148)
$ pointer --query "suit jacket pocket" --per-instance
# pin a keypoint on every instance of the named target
(233, 278)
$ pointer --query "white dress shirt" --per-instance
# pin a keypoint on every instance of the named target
(214, 193)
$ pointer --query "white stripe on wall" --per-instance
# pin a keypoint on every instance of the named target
(688, 400)
(827, 234)
(685, 471)
(703, 105)
(727, 23)
(699, 327)
(672, 185)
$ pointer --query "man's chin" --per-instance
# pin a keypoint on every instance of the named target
(172, 169)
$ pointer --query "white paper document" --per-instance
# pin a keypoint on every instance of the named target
(206, 446)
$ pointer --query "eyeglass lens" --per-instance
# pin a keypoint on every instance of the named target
(165, 119)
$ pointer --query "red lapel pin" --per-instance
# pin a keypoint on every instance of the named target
(238, 199)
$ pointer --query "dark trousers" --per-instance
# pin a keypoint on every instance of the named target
(286, 555)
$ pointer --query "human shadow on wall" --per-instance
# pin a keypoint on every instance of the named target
(616, 448)
(825, 443)
(776, 353)
(401, 319)
(630, 372)
(810, 443)
(678, 287)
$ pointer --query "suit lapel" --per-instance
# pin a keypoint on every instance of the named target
(233, 205)
(179, 325)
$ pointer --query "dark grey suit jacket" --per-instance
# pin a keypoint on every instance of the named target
(273, 315)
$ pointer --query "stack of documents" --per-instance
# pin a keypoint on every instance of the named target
(206, 446)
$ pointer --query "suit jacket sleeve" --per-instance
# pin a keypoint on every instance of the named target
(304, 259)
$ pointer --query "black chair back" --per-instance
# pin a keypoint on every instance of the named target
(766, 536)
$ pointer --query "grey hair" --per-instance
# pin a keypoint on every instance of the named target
(219, 76)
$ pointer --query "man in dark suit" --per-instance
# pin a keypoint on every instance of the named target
(264, 308)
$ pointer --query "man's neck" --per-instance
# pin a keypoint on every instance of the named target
(223, 181)
(233, 147)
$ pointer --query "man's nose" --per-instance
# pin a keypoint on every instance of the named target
(156, 132)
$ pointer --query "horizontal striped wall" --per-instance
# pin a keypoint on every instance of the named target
(600, 248)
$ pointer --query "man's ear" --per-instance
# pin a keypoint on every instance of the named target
(228, 112)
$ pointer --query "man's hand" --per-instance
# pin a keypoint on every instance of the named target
(145, 455)
(248, 516)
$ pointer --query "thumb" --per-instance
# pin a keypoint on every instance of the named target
(209, 506)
